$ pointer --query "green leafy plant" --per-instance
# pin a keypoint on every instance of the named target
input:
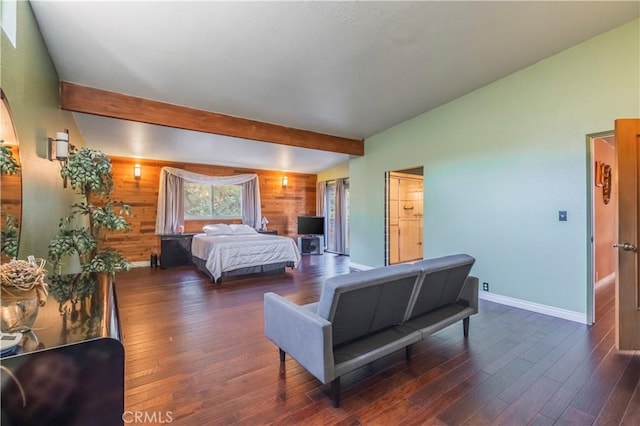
(9, 237)
(85, 230)
(9, 234)
(8, 163)
(72, 288)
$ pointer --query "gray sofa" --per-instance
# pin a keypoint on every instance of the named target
(363, 316)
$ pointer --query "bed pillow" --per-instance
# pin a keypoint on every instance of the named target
(242, 229)
(217, 229)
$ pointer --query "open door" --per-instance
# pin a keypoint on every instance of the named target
(627, 274)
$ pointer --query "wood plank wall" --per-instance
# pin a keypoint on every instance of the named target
(280, 205)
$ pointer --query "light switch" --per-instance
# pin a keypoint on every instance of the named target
(562, 215)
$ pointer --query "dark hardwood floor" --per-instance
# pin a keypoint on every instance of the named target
(196, 354)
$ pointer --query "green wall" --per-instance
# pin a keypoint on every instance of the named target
(500, 162)
(30, 82)
(340, 171)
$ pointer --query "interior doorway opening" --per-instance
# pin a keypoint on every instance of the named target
(404, 215)
(603, 195)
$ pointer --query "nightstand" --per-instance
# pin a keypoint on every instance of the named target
(270, 232)
(175, 250)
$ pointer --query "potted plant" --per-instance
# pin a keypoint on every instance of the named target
(85, 230)
(22, 291)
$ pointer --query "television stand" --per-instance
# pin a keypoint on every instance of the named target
(310, 244)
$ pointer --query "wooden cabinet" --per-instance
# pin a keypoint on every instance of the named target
(175, 250)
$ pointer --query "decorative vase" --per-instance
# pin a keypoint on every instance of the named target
(18, 311)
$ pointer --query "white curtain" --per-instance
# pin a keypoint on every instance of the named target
(251, 214)
(170, 204)
(321, 189)
(321, 195)
(171, 199)
(340, 224)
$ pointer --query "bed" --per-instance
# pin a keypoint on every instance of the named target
(245, 251)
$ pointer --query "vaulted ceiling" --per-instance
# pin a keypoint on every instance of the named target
(347, 69)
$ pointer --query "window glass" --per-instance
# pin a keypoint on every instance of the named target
(9, 19)
(206, 201)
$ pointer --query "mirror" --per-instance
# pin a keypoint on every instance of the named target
(10, 183)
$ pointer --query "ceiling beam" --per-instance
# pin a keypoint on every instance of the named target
(89, 100)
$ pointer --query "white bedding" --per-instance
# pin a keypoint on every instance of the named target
(228, 252)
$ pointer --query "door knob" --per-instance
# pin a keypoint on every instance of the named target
(625, 246)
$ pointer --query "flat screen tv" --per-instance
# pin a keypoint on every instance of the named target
(310, 225)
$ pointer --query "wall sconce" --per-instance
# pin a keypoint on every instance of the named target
(58, 149)
(285, 181)
(137, 174)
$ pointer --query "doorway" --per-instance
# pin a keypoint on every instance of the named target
(404, 215)
(603, 223)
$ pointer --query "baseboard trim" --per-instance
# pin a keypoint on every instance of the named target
(140, 264)
(534, 307)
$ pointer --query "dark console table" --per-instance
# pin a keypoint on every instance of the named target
(175, 250)
(70, 366)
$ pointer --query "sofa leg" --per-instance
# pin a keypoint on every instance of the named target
(282, 355)
(335, 392)
(465, 326)
(408, 351)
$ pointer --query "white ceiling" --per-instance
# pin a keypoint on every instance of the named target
(349, 69)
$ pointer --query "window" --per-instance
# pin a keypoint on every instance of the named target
(9, 21)
(207, 201)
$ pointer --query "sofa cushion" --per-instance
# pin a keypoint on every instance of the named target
(362, 303)
(438, 319)
(361, 352)
(441, 282)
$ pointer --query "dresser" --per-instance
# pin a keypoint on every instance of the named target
(71, 364)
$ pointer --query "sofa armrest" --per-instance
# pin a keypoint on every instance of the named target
(300, 333)
(469, 293)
